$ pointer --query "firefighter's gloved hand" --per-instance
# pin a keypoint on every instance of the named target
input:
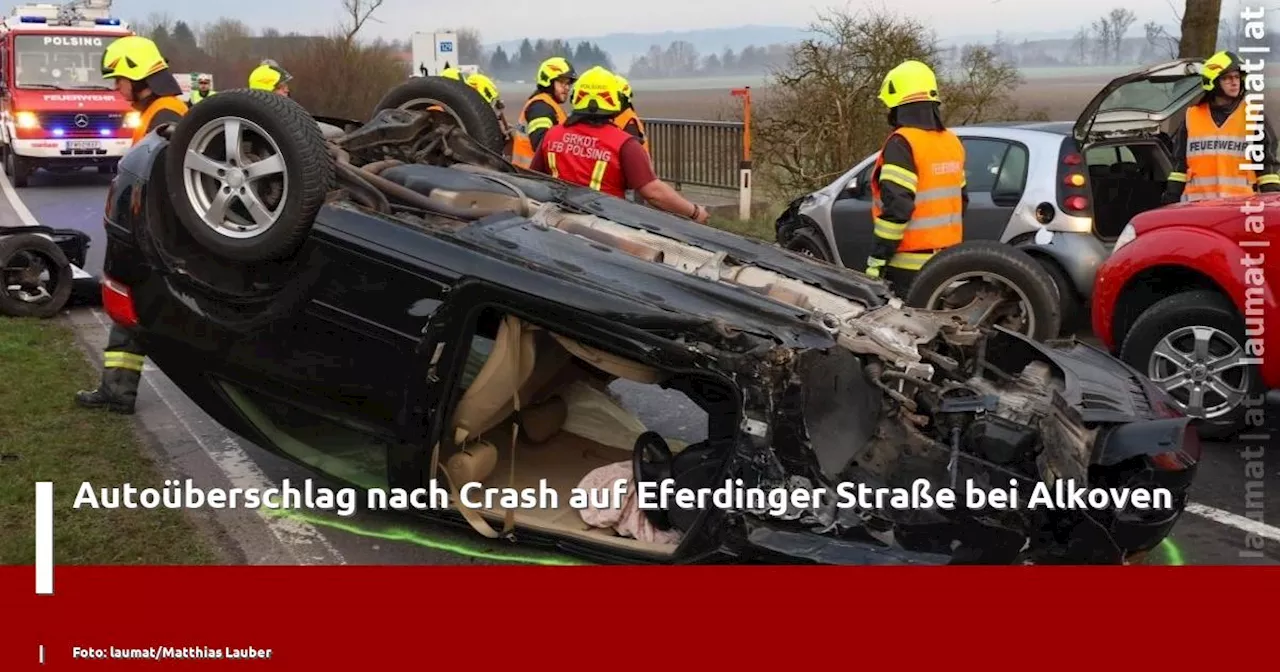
(874, 265)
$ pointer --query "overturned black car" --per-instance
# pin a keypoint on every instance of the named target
(392, 302)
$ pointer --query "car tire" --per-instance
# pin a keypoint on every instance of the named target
(20, 250)
(18, 169)
(270, 124)
(1014, 269)
(1070, 305)
(1171, 319)
(477, 117)
(806, 240)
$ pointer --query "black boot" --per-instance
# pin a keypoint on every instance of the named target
(118, 392)
(102, 398)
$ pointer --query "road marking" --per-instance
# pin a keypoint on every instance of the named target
(19, 208)
(240, 469)
(1232, 520)
(44, 538)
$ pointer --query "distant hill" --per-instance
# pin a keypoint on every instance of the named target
(623, 47)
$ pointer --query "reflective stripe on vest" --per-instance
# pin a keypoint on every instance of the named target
(522, 143)
(1215, 155)
(159, 104)
(627, 116)
(588, 155)
(936, 222)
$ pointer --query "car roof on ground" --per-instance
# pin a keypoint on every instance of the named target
(514, 252)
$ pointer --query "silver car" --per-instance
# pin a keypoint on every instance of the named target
(1060, 191)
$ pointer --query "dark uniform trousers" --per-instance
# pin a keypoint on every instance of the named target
(122, 361)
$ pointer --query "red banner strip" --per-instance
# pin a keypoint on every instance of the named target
(356, 618)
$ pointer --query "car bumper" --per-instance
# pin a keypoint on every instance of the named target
(72, 150)
(1079, 254)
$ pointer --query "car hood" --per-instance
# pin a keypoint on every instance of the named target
(1139, 102)
(1205, 214)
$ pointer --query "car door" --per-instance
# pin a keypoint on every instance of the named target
(851, 220)
(996, 173)
(326, 382)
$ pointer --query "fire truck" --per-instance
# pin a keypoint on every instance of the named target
(56, 110)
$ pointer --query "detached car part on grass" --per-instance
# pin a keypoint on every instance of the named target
(351, 268)
(41, 270)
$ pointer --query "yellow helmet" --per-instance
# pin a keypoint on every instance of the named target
(268, 76)
(555, 68)
(910, 82)
(624, 87)
(1216, 66)
(597, 92)
(484, 85)
(451, 73)
(133, 57)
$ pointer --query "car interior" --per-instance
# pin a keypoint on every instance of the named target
(571, 423)
(1126, 179)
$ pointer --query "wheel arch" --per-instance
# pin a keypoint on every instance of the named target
(1149, 286)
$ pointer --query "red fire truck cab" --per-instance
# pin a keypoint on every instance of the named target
(56, 110)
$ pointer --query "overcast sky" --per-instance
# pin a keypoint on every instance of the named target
(500, 20)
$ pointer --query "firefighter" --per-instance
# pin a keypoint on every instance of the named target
(589, 149)
(143, 77)
(204, 88)
(1211, 150)
(629, 121)
(482, 84)
(269, 76)
(542, 110)
(918, 184)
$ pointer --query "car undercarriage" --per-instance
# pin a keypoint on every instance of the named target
(830, 381)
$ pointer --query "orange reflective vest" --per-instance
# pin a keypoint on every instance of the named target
(936, 222)
(1215, 155)
(588, 155)
(626, 117)
(171, 103)
(522, 144)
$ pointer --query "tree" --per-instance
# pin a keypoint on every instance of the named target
(820, 113)
(1103, 32)
(1121, 20)
(225, 39)
(1199, 28)
(499, 64)
(1160, 44)
(528, 58)
(358, 12)
(470, 48)
(1080, 46)
(183, 36)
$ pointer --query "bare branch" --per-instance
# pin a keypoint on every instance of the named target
(358, 13)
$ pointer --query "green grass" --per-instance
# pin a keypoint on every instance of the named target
(756, 227)
(45, 437)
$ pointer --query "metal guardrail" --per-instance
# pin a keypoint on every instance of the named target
(697, 153)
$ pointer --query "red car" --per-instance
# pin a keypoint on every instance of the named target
(1189, 297)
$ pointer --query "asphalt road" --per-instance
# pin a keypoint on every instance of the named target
(1211, 533)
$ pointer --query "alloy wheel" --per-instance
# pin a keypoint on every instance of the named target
(1203, 369)
(234, 174)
